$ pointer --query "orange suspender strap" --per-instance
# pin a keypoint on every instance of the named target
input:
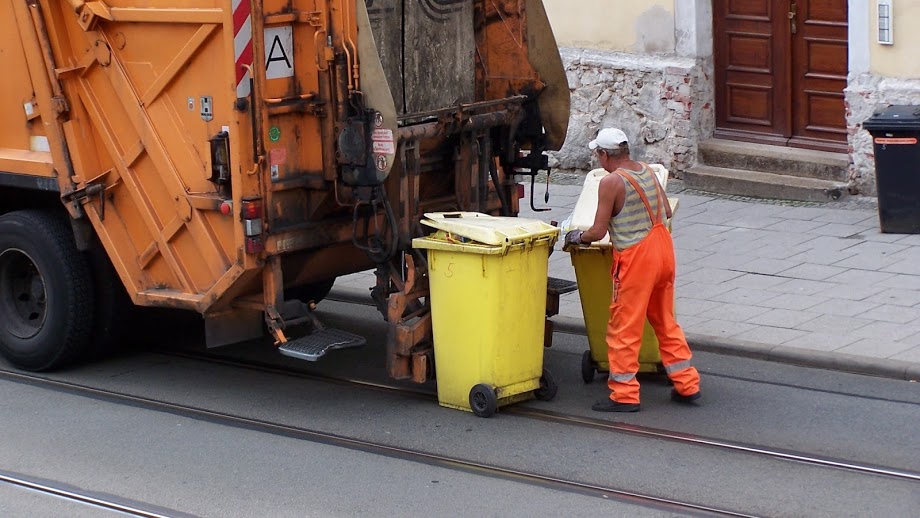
(662, 197)
(648, 207)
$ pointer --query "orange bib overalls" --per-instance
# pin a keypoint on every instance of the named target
(643, 287)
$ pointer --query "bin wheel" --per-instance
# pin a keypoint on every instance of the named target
(483, 400)
(588, 370)
(548, 387)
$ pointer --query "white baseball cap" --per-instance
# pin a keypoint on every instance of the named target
(608, 138)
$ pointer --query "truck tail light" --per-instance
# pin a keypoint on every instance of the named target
(520, 191)
(251, 209)
(254, 245)
(251, 215)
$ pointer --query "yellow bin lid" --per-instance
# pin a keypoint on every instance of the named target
(482, 229)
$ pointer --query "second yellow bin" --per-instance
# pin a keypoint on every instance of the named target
(488, 304)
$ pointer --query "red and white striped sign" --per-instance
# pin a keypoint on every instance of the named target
(242, 44)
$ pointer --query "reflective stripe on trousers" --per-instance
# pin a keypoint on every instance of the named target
(622, 378)
(677, 367)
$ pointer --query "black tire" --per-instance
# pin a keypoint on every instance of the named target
(46, 292)
(315, 292)
(483, 400)
(548, 387)
(588, 369)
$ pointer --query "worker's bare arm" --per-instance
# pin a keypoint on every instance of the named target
(610, 197)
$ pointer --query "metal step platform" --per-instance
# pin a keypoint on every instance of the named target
(556, 286)
(313, 346)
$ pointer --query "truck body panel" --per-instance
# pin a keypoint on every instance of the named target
(224, 150)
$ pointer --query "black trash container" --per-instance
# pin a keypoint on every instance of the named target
(895, 133)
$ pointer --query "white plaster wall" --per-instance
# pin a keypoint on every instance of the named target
(645, 27)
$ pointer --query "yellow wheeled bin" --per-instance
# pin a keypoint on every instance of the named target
(592, 266)
(488, 306)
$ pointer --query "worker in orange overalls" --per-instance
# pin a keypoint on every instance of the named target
(630, 207)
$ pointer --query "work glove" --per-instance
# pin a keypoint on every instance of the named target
(572, 238)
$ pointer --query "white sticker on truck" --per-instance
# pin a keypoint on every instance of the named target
(279, 52)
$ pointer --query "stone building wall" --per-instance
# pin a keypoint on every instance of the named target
(866, 94)
(663, 103)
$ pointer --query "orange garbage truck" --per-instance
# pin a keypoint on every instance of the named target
(233, 157)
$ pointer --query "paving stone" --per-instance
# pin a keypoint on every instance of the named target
(755, 281)
(704, 244)
(697, 230)
(906, 239)
(910, 355)
(877, 249)
(907, 282)
(694, 307)
(793, 302)
(876, 236)
(754, 222)
(823, 256)
(779, 251)
(766, 266)
(733, 312)
(847, 217)
(885, 331)
(847, 308)
(761, 210)
(821, 341)
(907, 267)
(690, 200)
(897, 297)
(837, 229)
(802, 287)
(833, 324)
(795, 225)
(745, 296)
(711, 218)
(859, 277)
(799, 239)
(719, 328)
(722, 261)
(747, 235)
(896, 314)
(812, 272)
(711, 275)
(720, 205)
(875, 348)
(866, 261)
(702, 291)
(804, 213)
(828, 242)
(689, 321)
(784, 318)
(688, 257)
(770, 335)
(851, 291)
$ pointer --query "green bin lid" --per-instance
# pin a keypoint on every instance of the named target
(489, 230)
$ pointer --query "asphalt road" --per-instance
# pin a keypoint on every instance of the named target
(205, 468)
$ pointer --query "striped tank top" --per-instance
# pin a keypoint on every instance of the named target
(632, 224)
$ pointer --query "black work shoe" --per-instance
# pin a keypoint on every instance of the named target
(689, 399)
(608, 405)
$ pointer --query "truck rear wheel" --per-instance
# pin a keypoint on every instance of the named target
(46, 294)
(315, 292)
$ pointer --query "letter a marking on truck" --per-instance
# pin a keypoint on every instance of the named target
(279, 52)
(242, 44)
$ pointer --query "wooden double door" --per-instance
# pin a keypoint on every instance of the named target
(780, 70)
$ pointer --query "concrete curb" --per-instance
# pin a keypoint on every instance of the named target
(879, 367)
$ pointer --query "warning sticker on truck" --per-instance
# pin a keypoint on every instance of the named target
(386, 148)
(383, 141)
